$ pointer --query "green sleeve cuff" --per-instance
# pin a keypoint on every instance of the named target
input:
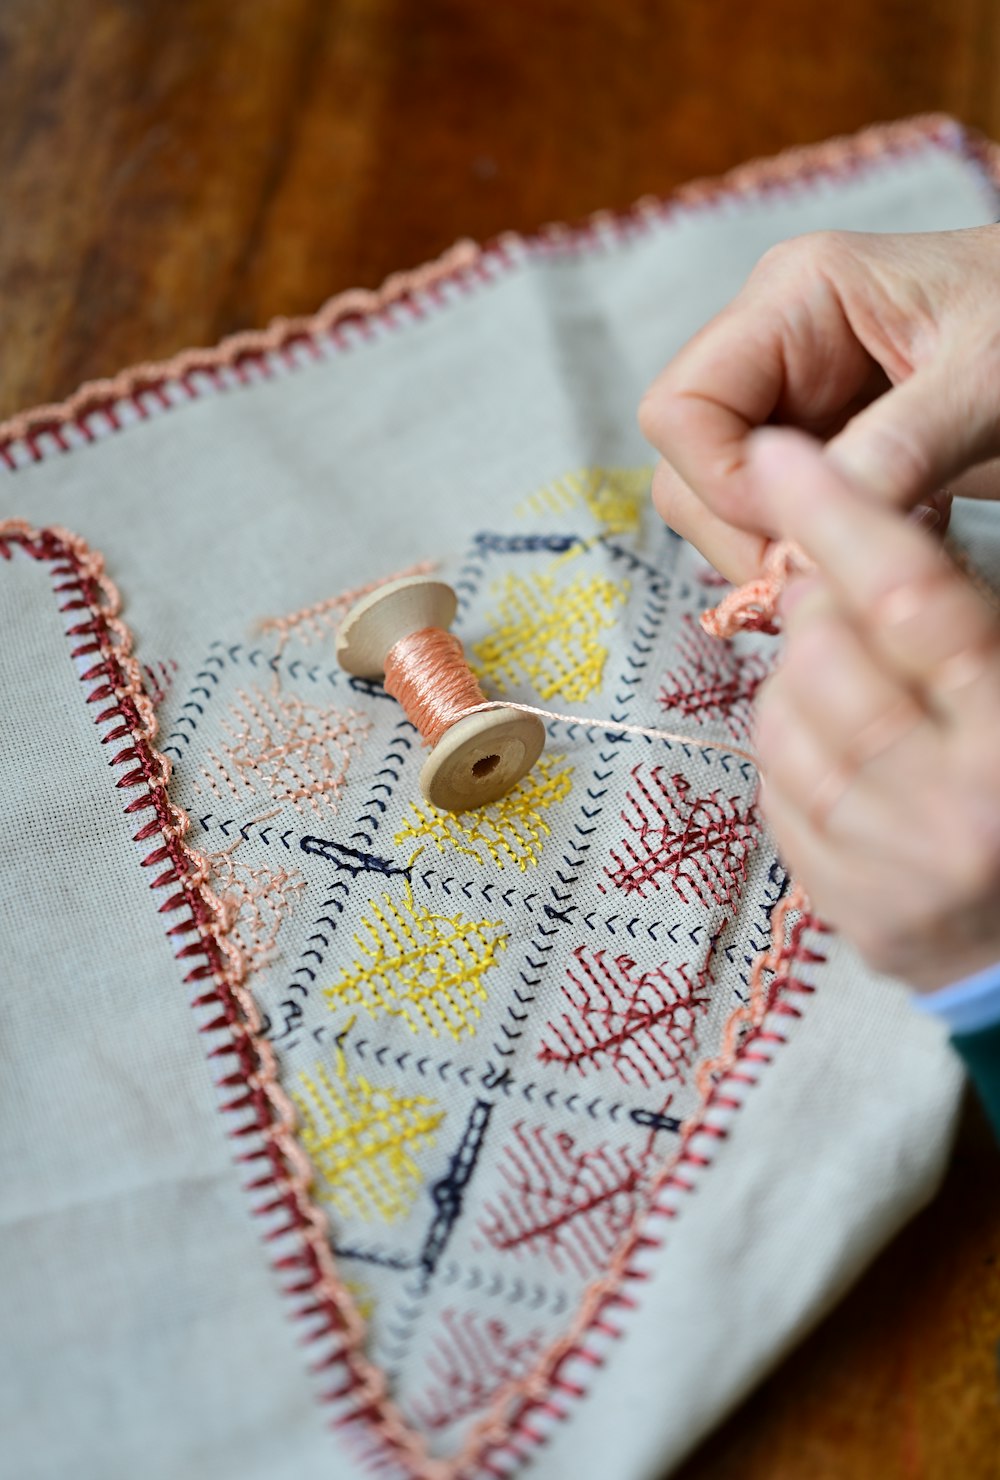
(981, 1055)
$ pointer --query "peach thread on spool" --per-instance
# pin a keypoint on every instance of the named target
(481, 748)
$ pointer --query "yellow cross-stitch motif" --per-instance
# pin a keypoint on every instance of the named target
(424, 968)
(361, 1141)
(614, 497)
(548, 636)
(512, 830)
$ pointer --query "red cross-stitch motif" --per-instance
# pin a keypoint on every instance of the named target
(642, 1023)
(700, 844)
(568, 1203)
(472, 1358)
(711, 681)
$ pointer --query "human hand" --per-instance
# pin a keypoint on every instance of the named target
(878, 734)
(886, 348)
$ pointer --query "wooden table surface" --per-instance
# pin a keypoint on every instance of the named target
(173, 171)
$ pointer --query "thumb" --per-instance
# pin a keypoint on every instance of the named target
(921, 434)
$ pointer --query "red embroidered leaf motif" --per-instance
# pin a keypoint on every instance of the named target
(567, 1203)
(473, 1357)
(711, 681)
(701, 844)
(641, 1023)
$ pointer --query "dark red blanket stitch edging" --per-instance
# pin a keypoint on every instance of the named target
(410, 296)
(520, 1419)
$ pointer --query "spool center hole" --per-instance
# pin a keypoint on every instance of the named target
(485, 765)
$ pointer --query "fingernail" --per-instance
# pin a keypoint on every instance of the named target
(924, 517)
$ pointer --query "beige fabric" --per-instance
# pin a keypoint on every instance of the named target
(145, 1331)
(127, 1252)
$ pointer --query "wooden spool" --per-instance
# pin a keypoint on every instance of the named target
(479, 758)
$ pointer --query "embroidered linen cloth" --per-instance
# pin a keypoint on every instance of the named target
(558, 1132)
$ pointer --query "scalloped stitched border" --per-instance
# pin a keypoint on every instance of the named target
(525, 1410)
(149, 389)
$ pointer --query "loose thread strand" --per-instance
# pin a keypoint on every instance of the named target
(647, 732)
(427, 673)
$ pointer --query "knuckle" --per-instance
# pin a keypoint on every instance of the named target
(647, 413)
(664, 491)
(812, 252)
(900, 455)
(829, 248)
(658, 410)
(776, 259)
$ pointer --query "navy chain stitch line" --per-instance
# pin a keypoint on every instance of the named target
(447, 1195)
(360, 843)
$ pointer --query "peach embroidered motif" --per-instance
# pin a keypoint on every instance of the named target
(319, 622)
(263, 898)
(426, 969)
(363, 1141)
(281, 747)
(548, 636)
(510, 831)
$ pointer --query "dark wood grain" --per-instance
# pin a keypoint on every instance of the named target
(172, 170)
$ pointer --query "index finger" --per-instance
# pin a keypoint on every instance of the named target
(700, 410)
(782, 350)
(916, 612)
